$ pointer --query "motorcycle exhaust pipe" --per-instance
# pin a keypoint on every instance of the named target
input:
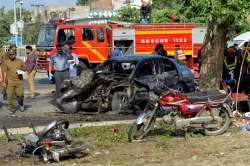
(182, 123)
(65, 152)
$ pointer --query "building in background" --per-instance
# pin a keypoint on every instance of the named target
(94, 12)
(117, 4)
(47, 13)
(103, 5)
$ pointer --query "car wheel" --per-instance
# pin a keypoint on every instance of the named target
(119, 102)
(181, 87)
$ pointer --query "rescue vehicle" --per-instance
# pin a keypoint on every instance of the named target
(94, 43)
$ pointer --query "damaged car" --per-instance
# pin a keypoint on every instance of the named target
(116, 84)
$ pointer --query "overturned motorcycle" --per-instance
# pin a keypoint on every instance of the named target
(204, 111)
(53, 143)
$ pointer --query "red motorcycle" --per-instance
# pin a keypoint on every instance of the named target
(205, 111)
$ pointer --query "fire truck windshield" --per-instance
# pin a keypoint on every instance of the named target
(46, 36)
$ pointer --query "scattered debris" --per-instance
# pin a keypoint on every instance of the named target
(51, 144)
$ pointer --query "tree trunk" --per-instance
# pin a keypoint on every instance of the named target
(212, 56)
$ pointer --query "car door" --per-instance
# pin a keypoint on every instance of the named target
(168, 71)
(146, 73)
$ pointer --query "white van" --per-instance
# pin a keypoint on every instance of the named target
(240, 40)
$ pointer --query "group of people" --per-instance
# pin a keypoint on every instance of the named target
(179, 54)
(234, 58)
(159, 50)
(12, 70)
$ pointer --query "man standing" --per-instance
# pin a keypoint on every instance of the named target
(4, 57)
(12, 76)
(30, 64)
(59, 62)
(180, 56)
(159, 50)
(72, 60)
(117, 51)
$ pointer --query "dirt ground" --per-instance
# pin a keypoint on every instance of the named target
(231, 148)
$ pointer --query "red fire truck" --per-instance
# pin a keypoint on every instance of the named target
(94, 43)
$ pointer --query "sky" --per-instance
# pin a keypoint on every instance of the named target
(8, 4)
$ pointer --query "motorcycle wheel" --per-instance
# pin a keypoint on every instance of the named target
(226, 121)
(139, 131)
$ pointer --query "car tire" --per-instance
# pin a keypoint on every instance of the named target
(181, 87)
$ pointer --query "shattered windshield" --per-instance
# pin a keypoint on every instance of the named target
(46, 36)
(118, 67)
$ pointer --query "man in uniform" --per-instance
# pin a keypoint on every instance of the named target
(3, 58)
(14, 80)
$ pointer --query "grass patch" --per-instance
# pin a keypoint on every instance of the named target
(117, 162)
(103, 137)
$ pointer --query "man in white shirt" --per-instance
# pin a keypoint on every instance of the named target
(72, 60)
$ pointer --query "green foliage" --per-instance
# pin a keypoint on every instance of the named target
(128, 14)
(6, 19)
(230, 12)
(160, 15)
(31, 32)
(82, 2)
(161, 4)
(104, 137)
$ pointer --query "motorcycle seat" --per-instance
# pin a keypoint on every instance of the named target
(205, 96)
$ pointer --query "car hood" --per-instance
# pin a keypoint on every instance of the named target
(112, 76)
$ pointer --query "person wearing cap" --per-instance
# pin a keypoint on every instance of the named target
(12, 67)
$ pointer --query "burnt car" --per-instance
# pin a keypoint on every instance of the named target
(117, 83)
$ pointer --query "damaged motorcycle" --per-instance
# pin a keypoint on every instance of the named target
(53, 143)
(207, 112)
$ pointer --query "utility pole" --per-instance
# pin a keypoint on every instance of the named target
(21, 22)
(15, 22)
(17, 25)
